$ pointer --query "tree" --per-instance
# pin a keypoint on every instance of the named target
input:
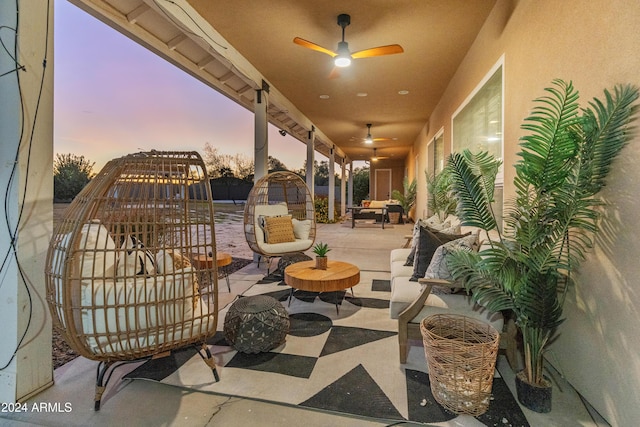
(70, 174)
(243, 166)
(276, 165)
(217, 164)
(360, 184)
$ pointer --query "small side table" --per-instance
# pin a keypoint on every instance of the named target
(223, 260)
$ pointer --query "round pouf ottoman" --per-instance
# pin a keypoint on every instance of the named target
(256, 324)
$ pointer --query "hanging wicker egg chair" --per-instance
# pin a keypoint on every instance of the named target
(120, 282)
(279, 217)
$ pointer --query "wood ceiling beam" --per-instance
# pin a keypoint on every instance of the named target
(136, 13)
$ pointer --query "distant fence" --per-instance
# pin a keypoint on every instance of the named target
(238, 189)
(230, 189)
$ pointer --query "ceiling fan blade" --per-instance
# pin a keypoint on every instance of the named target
(313, 46)
(382, 139)
(335, 73)
(378, 51)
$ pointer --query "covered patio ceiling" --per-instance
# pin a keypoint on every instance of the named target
(235, 45)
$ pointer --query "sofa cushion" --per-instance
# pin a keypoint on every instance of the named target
(279, 229)
(281, 248)
(427, 245)
(404, 292)
(377, 204)
(459, 304)
(97, 251)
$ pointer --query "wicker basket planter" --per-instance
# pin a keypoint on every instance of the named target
(321, 262)
(394, 217)
(461, 353)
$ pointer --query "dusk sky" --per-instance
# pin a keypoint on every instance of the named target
(113, 97)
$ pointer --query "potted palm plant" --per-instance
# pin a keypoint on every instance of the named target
(321, 249)
(408, 198)
(441, 200)
(549, 225)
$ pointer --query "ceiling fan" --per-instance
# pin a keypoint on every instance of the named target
(375, 156)
(370, 140)
(342, 56)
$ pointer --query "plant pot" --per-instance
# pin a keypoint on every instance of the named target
(321, 262)
(534, 397)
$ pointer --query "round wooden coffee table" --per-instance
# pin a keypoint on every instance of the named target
(223, 259)
(337, 277)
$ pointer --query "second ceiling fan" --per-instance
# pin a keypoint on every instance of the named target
(342, 56)
(370, 140)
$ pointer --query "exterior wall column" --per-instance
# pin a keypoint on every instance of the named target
(332, 184)
(310, 179)
(343, 190)
(261, 134)
(26, 175)
(261, 137)
(350, 202)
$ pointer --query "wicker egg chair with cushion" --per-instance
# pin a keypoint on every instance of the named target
(120, 283)
(279, 217)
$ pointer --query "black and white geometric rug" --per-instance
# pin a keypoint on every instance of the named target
(346, 362)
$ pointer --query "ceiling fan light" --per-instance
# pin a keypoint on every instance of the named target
(342, 60)
(368, 140)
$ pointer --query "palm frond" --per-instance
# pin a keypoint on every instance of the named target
(606, 131)
(548, 152)
(473, 190)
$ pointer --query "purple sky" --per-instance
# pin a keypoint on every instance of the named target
(113, 97)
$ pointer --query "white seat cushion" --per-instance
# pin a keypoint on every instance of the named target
(459, 304)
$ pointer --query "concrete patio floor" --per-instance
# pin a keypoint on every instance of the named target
(143, 403)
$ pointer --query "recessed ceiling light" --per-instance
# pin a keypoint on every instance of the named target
(362, 94)
(403, 92)
(324, 96)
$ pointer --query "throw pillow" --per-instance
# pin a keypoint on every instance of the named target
(438, 268)
(301, 228)
(427, 245)
(262, 223)
(414, 241)
(280, 229)
(135, 260)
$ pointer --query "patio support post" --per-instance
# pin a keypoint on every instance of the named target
(332, 184)
(350, 203)
(310, 161)
(261, 134)
(27, 182)
(343, 190)
(261, 138)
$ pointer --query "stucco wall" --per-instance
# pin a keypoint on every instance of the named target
(594, 43)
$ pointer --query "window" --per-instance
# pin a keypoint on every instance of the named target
(435, 154)
(477, 124)
(438, 152)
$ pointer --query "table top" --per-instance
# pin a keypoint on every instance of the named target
(338, 276)
(359, 208)
(205, 261)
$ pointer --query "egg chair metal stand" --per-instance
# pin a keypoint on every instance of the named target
(121, 285)
(280, 194)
